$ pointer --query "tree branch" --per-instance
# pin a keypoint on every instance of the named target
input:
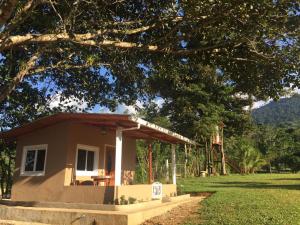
(90, 39)
(64, 66)
(7, 90)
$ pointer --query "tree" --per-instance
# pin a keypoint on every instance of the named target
(273, 143)
(7, 162)
(195, 105)
(242, 150)
(103, 52)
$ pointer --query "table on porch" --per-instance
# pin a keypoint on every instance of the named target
(98, 179)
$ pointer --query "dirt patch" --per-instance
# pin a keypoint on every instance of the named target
(187, 213)
(202, 194)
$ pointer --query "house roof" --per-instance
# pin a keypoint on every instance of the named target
(145, 129)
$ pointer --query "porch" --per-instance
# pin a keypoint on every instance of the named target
(113, 179)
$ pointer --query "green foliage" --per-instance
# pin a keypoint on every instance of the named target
(261, 199)
(196, 104)
(284, 111)
(243, 151)
(123, 200)
(141, 173)
(7, 164)
(131, 200)
(110, 51)
(279, 145)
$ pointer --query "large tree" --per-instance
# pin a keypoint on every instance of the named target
(104, 51)
(196, 103)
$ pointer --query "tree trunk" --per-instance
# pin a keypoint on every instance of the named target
(9, 177)
(2, 180)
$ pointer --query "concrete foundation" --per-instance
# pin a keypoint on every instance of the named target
(120, 215)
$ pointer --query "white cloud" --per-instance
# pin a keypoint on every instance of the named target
(129, 109)
(159, 101)
(259, 104)
(121, 109)
(297, 90)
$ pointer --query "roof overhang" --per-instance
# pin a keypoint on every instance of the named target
(145, 130)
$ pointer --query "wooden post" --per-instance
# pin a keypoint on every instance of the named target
(173, 146)
(118, 157)
(185, 162)
(223, 160)
(206, 157)
(209, 158)
(212, 160)
(150, 178)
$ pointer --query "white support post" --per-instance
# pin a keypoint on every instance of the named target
(118, 157)
(167, 171)
(174, 163)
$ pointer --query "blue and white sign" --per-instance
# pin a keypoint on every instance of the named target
(157, 190)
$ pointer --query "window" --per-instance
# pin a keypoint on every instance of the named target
(34, 160)
(87, 160)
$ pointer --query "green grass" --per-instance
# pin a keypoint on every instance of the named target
(269, 199)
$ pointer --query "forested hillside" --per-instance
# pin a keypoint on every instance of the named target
(282, 111)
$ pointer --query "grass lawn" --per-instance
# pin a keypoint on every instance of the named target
(270, 199)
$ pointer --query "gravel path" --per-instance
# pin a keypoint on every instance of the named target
(183, 214)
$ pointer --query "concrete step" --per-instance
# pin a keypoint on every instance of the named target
(60, 216)
(14, 222)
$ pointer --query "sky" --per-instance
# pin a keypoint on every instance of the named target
(130, 109)
(121, 108)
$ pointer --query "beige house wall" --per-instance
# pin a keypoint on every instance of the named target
(50, 186)
(143, 192)
(62, 140)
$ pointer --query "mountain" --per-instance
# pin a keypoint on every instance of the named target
(283, 111)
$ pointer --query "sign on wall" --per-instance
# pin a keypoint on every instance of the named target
(156, 190)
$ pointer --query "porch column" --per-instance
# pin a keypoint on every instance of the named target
(173, 147)
(150, 163)
(118, 157)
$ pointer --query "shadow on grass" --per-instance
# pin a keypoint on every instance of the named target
(256, 185)
(205, 194)
(287, 179)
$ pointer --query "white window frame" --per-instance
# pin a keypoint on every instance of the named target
(96, 160)
(31, 148)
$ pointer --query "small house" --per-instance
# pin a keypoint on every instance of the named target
(84, 158)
